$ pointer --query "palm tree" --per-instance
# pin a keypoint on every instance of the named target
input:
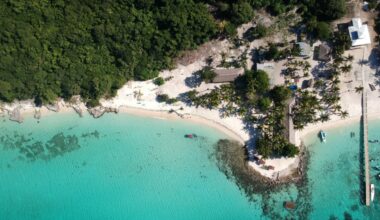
(346, 68)
(339, 60)
(324, 117)
(350, 58)
(335, 81)
(359, 89)
(319, 84)
(344, 114)
(209, 60)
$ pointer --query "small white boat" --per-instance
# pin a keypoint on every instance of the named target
(372, 192)
(322, 135)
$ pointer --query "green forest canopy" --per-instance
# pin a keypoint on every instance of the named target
(62, 48)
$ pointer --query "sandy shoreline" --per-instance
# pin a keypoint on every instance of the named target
(332, 124)
(166, 115)
(29, 111)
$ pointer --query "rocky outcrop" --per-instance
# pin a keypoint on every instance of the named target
(37, 113)
(54, 107)
(99, 111)
(78, 109)
(15, 115)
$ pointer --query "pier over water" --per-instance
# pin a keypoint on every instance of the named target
(365, 145)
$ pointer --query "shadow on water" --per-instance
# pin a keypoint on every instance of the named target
(231, 159)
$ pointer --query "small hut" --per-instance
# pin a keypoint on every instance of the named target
(227, 75)
(305, 49)
(324, 53)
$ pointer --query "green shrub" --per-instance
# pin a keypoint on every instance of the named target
(230, 29)
(207, 74)
(159, 81)
(162, 98)
(171, 100)
(280, 94)
(272, 53)
(257, 32)
(264, 103)
(192, 95)
(323, 31)
(241, 12)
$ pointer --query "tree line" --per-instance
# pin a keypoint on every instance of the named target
(62, 48)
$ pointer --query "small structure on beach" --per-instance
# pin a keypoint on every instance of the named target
(305, 49)
(359, 33)
(324, 52)
(227, 75)
(264, 66)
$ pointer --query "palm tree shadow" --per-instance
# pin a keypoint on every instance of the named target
(194, 80)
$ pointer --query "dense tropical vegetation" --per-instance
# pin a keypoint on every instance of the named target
(53, 49)
(61, 48)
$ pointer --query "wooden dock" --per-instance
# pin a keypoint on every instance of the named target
(365, 134)
(365, 144)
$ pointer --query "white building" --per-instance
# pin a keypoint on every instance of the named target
(359, 33)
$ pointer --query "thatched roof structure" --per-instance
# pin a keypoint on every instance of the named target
(227, 75)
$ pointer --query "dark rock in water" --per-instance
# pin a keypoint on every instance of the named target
(347, 216)
(354, 208)
(289, 205)
(231, 159)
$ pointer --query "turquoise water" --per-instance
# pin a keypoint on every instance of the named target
(335, 174)
(115, 167)
(129, 167)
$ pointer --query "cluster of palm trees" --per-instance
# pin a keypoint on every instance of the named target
(293, 68)
(323, 101)
(235, 62)
(234, 100)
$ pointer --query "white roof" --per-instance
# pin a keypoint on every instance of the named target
(359, 33)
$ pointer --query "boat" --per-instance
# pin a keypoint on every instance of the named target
(190, 136)
(322, 135)
(372, 192)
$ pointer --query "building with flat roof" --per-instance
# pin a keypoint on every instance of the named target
(359, 33)
(305, 49)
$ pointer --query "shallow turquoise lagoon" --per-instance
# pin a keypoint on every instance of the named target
(129, 167)
(115, 167)
(336, 174)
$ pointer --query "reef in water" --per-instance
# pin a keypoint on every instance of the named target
(231, 158)
(31, 150)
